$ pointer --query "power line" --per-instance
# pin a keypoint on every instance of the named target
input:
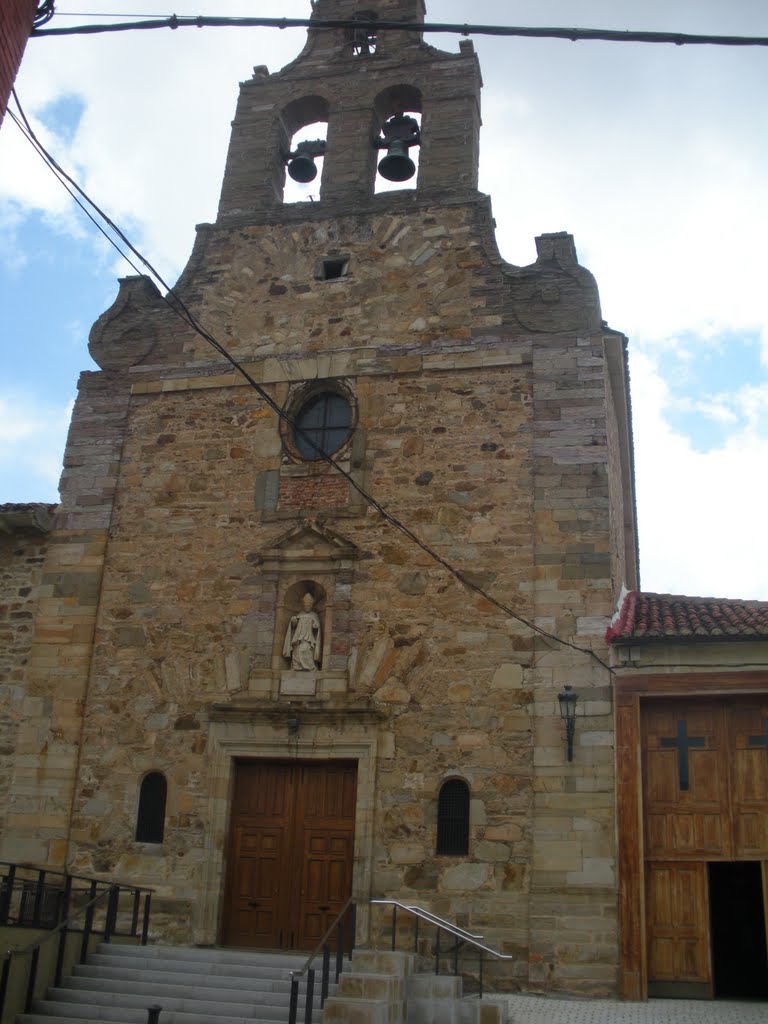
(526, 32)
(177, 305)
(100, 14)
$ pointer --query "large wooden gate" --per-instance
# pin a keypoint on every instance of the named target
(705, 801)
(290, 852)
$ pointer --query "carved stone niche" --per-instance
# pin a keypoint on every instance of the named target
(308, 571)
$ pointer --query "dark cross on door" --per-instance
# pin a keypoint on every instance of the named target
(682, 743)
(760, 741)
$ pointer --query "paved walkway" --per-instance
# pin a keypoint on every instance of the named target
(547, 1010)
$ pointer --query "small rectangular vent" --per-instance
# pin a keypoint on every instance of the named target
(332, 269)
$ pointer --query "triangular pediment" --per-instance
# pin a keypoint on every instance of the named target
(310, 539)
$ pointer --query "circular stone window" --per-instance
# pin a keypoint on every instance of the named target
(322, 424)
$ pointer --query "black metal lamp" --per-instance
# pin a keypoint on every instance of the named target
(567, 700)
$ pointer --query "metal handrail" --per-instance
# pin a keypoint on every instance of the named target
(323, 941)
(307, 969)
(446, 926)
(110, 890)
(36, 943)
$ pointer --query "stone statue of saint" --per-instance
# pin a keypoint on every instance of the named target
(303, 643)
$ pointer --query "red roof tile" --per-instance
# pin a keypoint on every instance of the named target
(647, 617)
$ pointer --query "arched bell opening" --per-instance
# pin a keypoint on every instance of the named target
(362, 37)
(305, 130)
(398, 139)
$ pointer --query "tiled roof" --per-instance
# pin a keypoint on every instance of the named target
(25, 515)
(648, 617)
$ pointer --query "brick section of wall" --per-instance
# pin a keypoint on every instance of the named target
(313, 493)
(15, 25)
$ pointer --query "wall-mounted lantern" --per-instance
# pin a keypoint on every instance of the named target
(567, 700)
(293, 724)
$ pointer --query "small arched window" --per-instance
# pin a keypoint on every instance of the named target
(453, 819)
(150, 820)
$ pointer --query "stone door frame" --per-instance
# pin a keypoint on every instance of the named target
(630, 692)
(242, 735)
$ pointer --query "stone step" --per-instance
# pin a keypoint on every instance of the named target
(483, 1011)
(358, 1011)
(36, 1018)
(207, 954)
(187, 967)
(372, 961)
(99, 973)
(192, 985)
(189, 1000)
(47, 1008)
(275, 994)
(356, 985)
(435, 986)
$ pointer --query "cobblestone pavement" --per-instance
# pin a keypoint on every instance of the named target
(544, 1010)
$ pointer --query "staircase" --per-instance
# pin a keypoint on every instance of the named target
(193, 986)
(382, 988)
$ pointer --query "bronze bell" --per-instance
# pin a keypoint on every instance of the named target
(400, 133)
(397, 165)
(301, 163)
(302, 168)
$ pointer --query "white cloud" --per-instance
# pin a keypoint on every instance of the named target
(32, 437)
(701, 515)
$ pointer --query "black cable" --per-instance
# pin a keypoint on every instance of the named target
(30, 136)
(175, 303)
(45, 11)
(572, 34)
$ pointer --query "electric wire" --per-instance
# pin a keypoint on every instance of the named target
(45, 11)
(177, 305)
(31, 138)
(526, 32)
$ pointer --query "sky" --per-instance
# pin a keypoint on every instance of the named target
(655, 157)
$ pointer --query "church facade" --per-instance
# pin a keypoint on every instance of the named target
(241, 680)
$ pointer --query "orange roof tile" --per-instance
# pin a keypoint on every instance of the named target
(647, 617)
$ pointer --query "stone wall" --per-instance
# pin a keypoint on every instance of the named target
(21, 557)
(491, 443)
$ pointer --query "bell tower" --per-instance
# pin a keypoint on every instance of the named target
(356, 81)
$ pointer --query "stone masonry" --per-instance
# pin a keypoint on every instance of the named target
(490, 416)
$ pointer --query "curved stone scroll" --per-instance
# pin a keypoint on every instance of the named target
(555, 293)
(125, 334)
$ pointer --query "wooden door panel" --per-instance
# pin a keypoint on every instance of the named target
(291, 852)
(685, 781)
(677, 924)
(263, 790)
(748, 736)
(254, 901)
(327, 882)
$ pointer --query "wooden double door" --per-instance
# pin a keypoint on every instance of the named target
(705, 796)
(290, 852)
